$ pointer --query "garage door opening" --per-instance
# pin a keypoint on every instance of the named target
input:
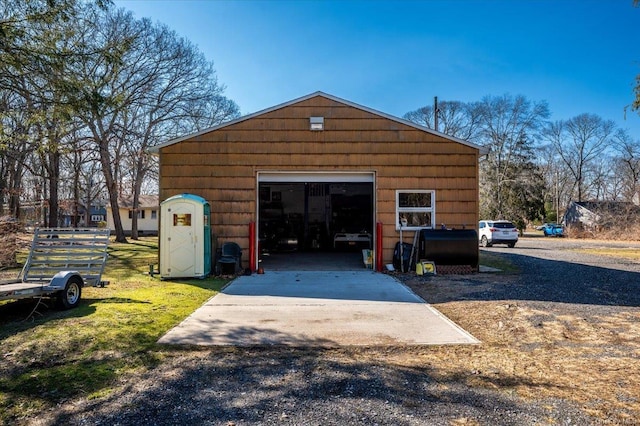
(308, 217)
(318, 222)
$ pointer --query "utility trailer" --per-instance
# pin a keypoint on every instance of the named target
(60, 263)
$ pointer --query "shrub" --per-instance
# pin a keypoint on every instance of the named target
(11, 243)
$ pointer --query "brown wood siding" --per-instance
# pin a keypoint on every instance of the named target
(221, 165)
(340, 143)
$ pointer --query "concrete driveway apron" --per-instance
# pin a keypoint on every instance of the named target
(316, 308)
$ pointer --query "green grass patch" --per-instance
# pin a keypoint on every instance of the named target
(494, 260)
(57, 355)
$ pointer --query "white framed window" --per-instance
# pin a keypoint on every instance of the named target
(417, 207)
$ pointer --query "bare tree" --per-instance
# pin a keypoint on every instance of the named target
(511, 183)
(510, 129)
(603, 183)
(132, 96)
(105, 86)
(16, 145)
(556, 187)
(579, 142)
(181, 87)
(457, 119)
(127, 83)
(81, 171)
(628, 164)
(37, 46)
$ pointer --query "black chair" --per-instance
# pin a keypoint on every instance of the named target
(230, 259)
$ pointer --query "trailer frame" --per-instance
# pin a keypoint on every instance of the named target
(60, 263)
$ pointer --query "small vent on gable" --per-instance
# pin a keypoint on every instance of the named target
(316, 123)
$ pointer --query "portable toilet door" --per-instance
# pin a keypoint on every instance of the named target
(185, 237)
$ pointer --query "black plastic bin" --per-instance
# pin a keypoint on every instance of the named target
(449, 246)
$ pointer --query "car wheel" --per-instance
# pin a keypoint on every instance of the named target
(70, 296)
(511, 245)
(484, 242)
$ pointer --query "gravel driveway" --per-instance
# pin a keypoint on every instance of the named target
(554, 270)
(380, 385)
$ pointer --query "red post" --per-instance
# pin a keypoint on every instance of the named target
(252, 246)
(379, 246)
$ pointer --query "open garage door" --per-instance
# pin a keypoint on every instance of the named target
(308, 213)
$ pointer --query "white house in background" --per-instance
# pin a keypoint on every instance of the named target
(148, 215)
(593, 215)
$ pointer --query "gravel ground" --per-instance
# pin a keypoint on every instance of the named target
(381, 385)
(553, 271)
(299, 387)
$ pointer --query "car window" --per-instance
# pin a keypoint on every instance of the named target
(503, 225)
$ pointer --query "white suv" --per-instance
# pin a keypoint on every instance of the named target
(492, 232)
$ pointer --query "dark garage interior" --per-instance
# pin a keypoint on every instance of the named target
(315, 217)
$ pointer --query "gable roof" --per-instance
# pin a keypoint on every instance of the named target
(613, 207)
(591, 213)
(144, 201)
(156, 149)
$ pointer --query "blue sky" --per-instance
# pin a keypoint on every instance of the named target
(395, 56)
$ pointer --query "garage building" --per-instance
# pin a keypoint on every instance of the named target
(320, 174)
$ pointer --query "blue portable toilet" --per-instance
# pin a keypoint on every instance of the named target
(185, 237)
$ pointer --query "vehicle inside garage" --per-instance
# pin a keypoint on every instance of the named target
(315, 216)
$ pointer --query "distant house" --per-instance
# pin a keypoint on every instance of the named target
(97, 214)
(147, 215)
(592, 215)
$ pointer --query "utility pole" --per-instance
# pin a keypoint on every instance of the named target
(435, 113)
(557, 197)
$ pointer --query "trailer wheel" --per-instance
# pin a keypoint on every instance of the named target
(70, 296)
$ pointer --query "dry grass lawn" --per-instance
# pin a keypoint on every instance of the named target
(541, 353)
(630, 253)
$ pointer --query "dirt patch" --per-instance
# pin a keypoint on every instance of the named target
(539, 349)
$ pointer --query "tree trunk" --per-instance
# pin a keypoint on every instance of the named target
(54, 172)
(15, 169)
(3, 186)
(134, 218)
(115, 210)
(14, 191)
(137, 185)
(76, 191)
(112, 189)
